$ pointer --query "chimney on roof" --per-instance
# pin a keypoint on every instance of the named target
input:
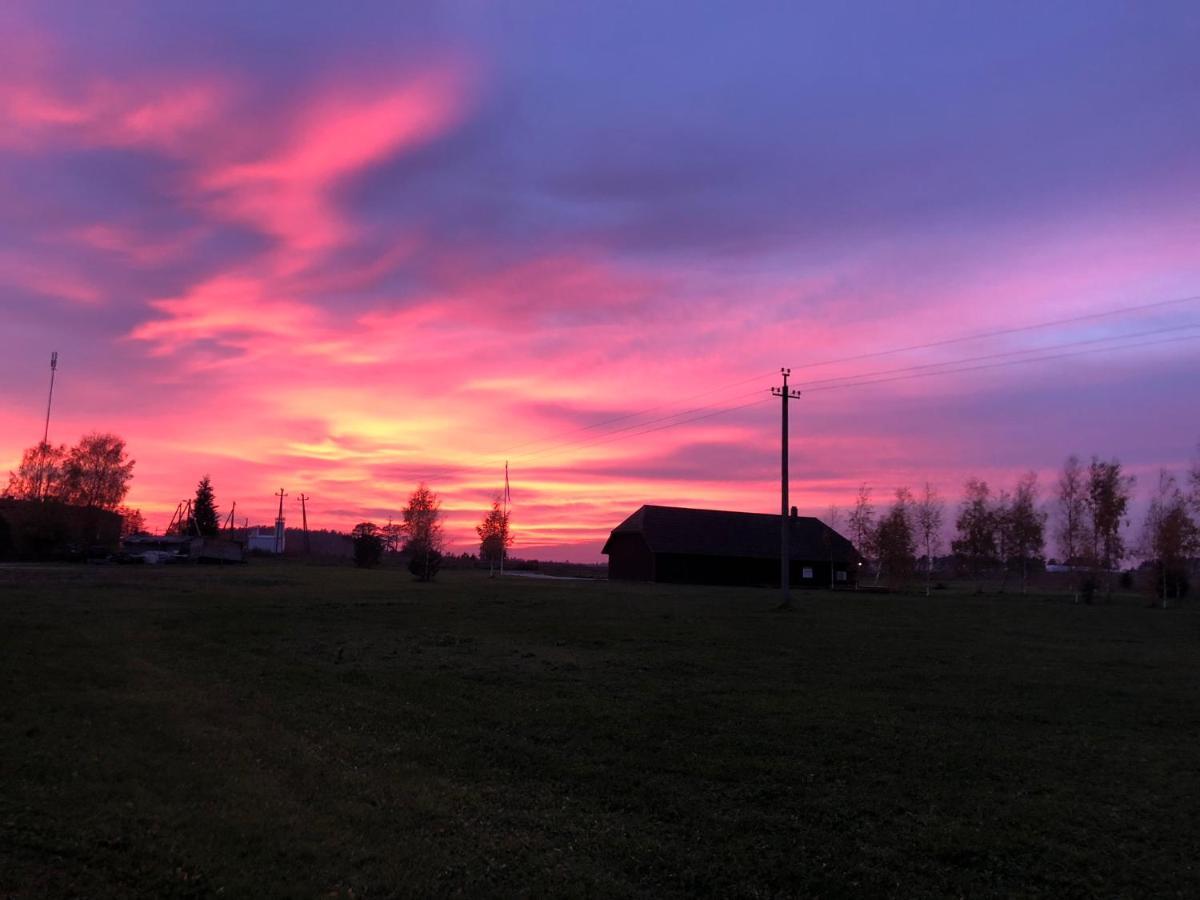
(795, 512)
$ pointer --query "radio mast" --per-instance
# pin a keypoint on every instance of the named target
(43, 486)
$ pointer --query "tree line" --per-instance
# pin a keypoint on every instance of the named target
(95, 472)
(420, 536)
(1006, 530)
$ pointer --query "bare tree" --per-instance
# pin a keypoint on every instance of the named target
(1002, 525)
(862, 525)
(929, 514)
(1108, 493)
(1194, 478)
(976, 525)
(132, 521)
(1169, 536)
(1026, 526)
(1071, 501)
(392, 536)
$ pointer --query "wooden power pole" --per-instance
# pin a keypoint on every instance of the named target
(304, 498)
(785, 525)
(279, 532)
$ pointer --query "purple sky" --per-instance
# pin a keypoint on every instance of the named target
(343, 247)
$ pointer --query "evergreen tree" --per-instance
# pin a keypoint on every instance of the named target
(204, 510)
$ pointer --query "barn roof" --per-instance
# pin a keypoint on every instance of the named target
(716, 532)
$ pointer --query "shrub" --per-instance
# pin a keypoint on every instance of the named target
(368, 545)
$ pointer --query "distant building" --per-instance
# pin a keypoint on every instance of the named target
(34, 529)
(709, 546)
(267, 540)
(173, 547)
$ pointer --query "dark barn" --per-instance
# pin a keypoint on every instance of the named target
(710, 546)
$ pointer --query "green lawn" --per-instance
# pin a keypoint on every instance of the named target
(306, 731)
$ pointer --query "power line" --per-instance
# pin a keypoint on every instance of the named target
(1019, 329)
(866, 379)
(1012, 362)
(861, 356)
(812, 385)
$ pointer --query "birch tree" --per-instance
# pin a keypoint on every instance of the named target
(97, 472)
(1108, 494)
(1071, 506)
(1169, 537)
(862, 525)
(40, 473)
(423, 532)
(976, 526)
(1026, 525)
(494, 538)
(895, 539)
(929, 514)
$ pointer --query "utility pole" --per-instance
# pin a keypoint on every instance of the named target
(43, 486)
(304, 498)
(279, 534)
(785, 525)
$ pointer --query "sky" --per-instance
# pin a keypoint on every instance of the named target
(340, 249)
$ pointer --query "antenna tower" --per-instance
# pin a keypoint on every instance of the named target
(42, 485)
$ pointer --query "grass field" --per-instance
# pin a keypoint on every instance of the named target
(307, 731)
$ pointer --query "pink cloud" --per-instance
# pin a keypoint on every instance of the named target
(60, 282)
(285, 191)
(233, 309)
(166, 116)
